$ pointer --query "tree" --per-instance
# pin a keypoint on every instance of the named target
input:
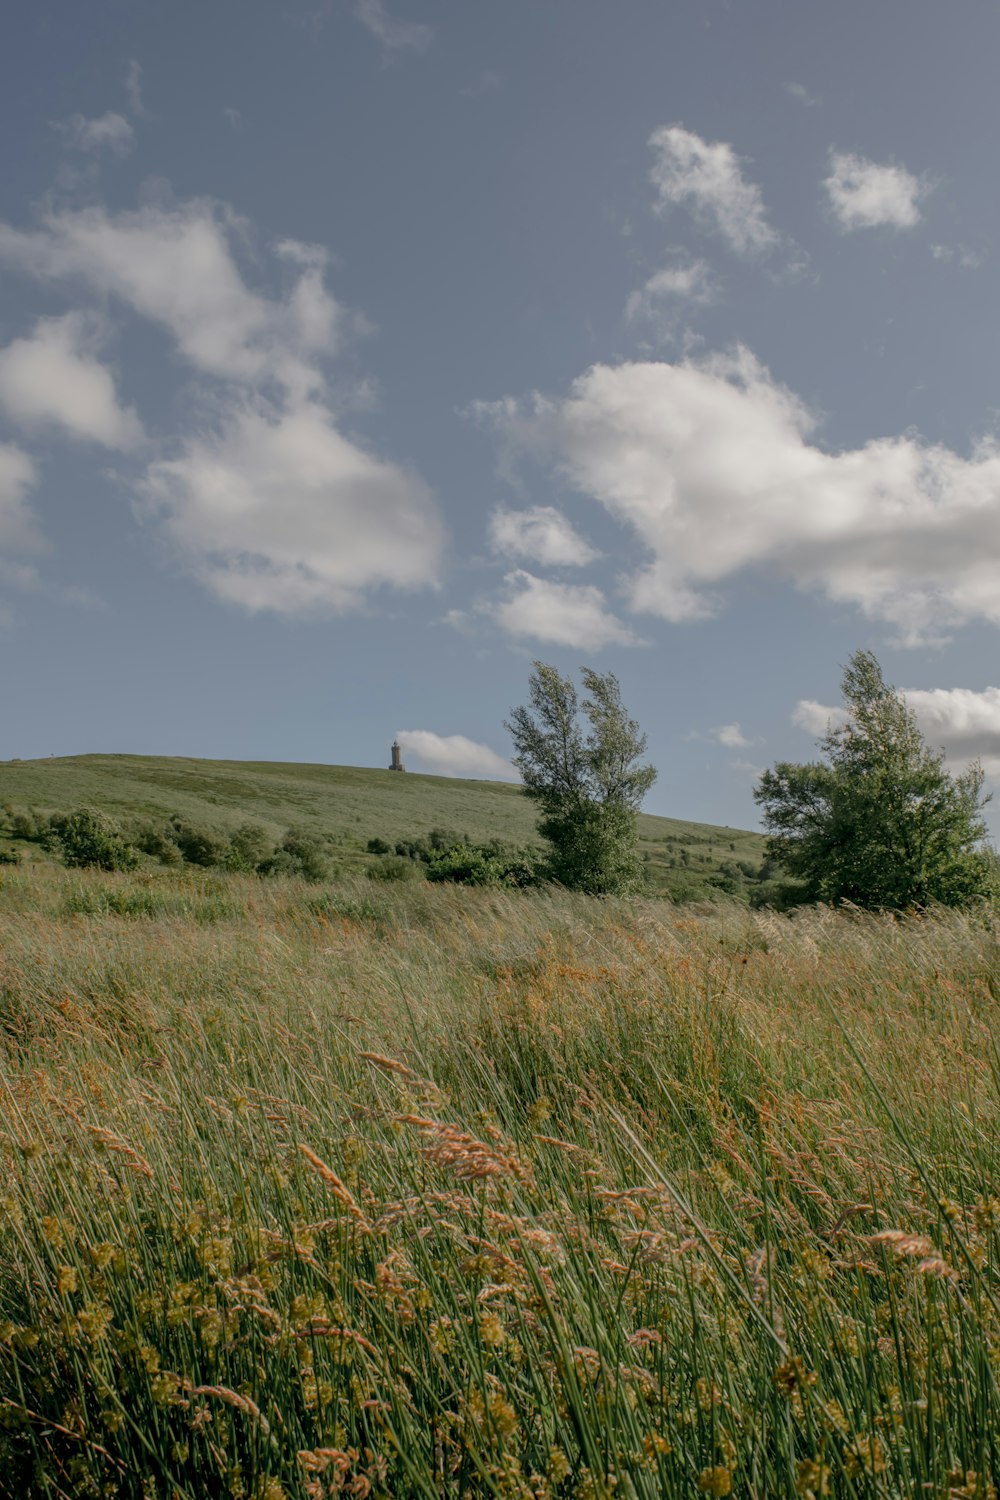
(587, 786)
(880, 823)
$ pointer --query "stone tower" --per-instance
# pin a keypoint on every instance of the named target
(396, 764)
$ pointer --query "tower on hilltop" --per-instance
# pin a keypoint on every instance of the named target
(396, 764)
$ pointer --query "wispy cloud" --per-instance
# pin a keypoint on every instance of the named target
(109, 132)
(961, 255)
(18, 476)
(542, 535)
(670, 294)
(801, 94)
(133, 87)
(394, 36)
(730, 735)
(707, 177)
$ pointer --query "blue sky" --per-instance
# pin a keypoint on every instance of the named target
(353, 354)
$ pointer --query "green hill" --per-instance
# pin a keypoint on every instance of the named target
(348, 805)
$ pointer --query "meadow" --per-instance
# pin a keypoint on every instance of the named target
(432, 1191)
(345, 806)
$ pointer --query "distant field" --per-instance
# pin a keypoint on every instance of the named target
(346, 805)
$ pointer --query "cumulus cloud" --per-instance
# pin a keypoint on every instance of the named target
(864, 194)
(270, 504)
(17, 478)
(394, 36)
(669, 293)
(52, 377)
(176, 267)
(564, 614)
(961, 721)
(108, 132)
(711, 465)
(454, 755)
(277, 510)
(541, 534)
(707, 178)
(964, 722)
(817, 718)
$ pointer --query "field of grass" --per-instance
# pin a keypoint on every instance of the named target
(345, 806)
(428, 1191)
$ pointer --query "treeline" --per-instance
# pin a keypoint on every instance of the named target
(87, 839)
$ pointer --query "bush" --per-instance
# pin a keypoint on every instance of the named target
(199, 846)
(449, 856)
(157, 843)
(462, 862)
(378, 846)
(299, 853)
(89, 839)
(28, 826)
(248, 849)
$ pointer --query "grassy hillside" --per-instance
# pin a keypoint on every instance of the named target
(428, 1193)
(345, 805)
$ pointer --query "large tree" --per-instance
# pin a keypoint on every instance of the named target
(880, 822)
(588, 784)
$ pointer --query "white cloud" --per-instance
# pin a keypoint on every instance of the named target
(799, 92)
(52, 377)
(710, 464)
(395, 36)
(271, 506)
(965, 723)
(730, 735)
(564, 614)
(864, 194)
(707, 177)
(669, 292)
(110, 131)
(541, 534)
(454, 755)
(961, 721)
(276, 510)
(17, 479)
(175, 266)
(817, 718)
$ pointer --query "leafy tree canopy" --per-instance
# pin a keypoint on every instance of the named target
(880, 822)
(588, 782)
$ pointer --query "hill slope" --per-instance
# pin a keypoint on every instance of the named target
(345, 805)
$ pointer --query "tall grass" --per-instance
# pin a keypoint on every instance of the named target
(438, 1192)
